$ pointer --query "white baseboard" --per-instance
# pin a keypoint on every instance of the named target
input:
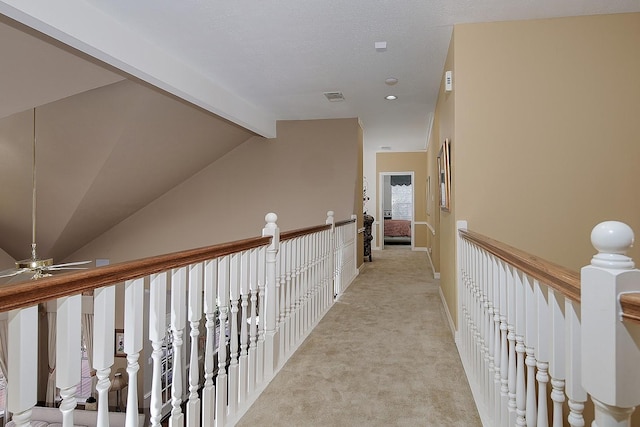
(435, 275)
(478, 396)
(448, 313)
(420, 249)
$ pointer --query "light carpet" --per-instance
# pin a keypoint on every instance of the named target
(382, 356)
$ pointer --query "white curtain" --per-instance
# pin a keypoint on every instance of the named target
(4, 336)
(51, 382)
(87, 333)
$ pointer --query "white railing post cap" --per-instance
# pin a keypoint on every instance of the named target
(612, 239)
(330, 219)
(271, 219)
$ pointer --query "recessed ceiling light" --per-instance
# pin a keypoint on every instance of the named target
(391, 81)
(381, 46)
(390, 97)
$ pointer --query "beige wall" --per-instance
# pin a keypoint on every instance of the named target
(446, 121)
(546, 134)
(415, 162)
(6, 260)
(547, 131)
(310, 168)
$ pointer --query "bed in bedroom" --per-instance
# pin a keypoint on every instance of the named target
(397, 231)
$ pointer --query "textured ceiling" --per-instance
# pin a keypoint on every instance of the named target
(249, 62)
(283, 55)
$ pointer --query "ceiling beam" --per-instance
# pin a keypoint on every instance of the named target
(78, 24)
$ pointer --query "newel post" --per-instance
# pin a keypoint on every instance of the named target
(270, 229)
(610, 356)
(332, 253)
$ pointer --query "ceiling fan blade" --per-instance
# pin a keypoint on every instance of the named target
(67, 264)
(11, 272)
(56, 268)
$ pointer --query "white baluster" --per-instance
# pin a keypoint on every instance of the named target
(504, 348)
(271, 229)
(234, 375)
(133, 339)
(281, 294)
(303, 286)
(309, 281)
(531, 334)
(194, 313)
(328, 279)
(285, 262)
(487, 379)
(497, 352)
(520, 351)
(178, 320)
(22, 363)
(253, 333)
(511, 337)
(210, 294)
(576, 394)
(312, 284)
(610, 347)
(317, 278)
(557, 361)
(295, 290)
(68, 353)
(262, 261)
(104, 300)
(244, 332)
(221, 378)
(491, 347)
(157, 335)
(543, 351)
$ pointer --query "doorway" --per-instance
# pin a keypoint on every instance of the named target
(396, 209)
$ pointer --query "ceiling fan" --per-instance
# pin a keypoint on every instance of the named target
(34, 266)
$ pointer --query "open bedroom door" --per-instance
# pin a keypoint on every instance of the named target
(396, 209)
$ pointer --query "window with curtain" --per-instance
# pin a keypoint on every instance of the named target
(166, 364)
(83, 391)
(3, 395)
(401, 201)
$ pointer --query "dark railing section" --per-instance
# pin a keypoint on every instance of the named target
(288, 235)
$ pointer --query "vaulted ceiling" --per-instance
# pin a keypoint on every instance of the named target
(135, 97)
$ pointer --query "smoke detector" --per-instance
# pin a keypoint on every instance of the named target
(334, 96)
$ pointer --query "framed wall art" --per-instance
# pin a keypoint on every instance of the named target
(119, 343)
(444, 173)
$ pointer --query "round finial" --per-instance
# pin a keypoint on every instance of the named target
(271, 218)
(329, 213)
(612, 239)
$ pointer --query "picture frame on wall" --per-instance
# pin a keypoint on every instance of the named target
(444, 174)
(119, 344)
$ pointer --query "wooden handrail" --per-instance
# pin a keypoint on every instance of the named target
(559, 278)
(630, 304)
(288, 235)
(344, 222)
(26, 294)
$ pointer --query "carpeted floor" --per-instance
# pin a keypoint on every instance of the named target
(382, 356)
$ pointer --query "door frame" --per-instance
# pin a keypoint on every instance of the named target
(380, 212)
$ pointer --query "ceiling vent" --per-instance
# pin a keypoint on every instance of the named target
(334, 96)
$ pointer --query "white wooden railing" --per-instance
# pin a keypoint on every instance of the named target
(531, 332)
(254, 301)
